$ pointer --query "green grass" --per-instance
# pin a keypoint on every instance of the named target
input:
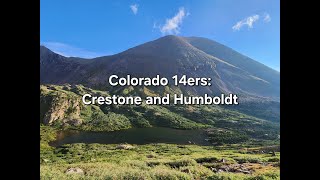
(47, 134)
(153, 161)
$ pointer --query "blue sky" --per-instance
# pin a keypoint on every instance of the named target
(91, 28)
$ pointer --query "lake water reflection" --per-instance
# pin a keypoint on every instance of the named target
(133, 136)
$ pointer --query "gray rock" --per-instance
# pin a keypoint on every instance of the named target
(223, 160)
(214, 169)
(74, 171)
(124, 146)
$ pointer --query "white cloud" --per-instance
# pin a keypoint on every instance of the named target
(134, 8)
(247, 21)
(172, 25)
(267, 17)
(70, 51)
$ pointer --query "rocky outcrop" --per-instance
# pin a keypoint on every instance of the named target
(124, 146)
(74, 171)
(58, 105)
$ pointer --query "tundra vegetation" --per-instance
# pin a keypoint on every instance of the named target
(243, 146)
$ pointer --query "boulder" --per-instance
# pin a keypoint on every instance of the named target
(74, 171)
(74, 122)
(124, 146)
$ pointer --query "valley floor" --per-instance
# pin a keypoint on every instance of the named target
(156, 161)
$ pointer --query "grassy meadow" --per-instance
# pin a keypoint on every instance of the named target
(157, 161)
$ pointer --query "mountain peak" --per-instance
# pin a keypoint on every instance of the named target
(45, 51)
(43, 48)
(172, 40)
(169, 55)
(171, 37)
(169, 45)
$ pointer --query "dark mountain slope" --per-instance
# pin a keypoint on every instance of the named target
(230, 71)
(57, 69)
(165, 56)
(233, 57)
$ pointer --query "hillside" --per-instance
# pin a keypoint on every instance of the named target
(168, 56)
(235, 58)
(256, 84)
(60, 107)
